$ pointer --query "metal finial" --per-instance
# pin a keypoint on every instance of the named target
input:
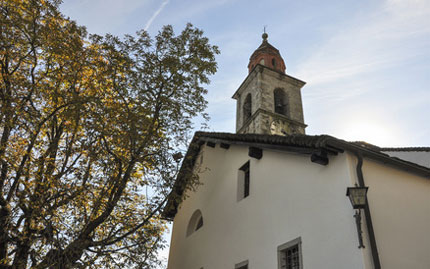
(265, 35)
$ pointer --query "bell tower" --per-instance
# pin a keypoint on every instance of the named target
(269, 101)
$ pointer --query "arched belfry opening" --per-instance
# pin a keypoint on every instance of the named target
(280, 101)
(247, 107)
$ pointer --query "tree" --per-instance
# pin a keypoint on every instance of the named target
(88, 126)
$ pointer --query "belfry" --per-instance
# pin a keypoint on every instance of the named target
(269, 101)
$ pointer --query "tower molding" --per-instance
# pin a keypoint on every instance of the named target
(261, 84)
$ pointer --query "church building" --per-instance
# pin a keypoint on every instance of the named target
(272, 197)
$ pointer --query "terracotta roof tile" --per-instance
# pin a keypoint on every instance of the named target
(309, 143)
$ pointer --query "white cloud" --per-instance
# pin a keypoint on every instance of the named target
(398, 30)
(156, 13)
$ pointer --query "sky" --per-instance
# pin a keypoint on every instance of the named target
(366, 63)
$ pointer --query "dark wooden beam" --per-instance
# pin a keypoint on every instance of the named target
(224, 146)
(256, 153)
(210, 144)
(319, 157)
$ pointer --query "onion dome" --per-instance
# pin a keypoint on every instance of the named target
(267, 55)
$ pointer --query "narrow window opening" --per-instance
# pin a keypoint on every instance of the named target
(243, 181)
(274, 62)
(247, 108)
(246, 191)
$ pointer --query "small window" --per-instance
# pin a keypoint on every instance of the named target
(290, 255)
(242, 265)
(247, 108)
(243, 181)
(199, 223)
(273, 62)
(195, 223)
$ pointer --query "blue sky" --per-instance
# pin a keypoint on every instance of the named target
(366, 63)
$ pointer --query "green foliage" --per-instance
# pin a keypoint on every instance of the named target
(88, 126)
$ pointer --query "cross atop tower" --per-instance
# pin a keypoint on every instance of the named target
(266, 55)
(269, 101)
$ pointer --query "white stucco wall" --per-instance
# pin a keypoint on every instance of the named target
(290, 197)
(400, 209)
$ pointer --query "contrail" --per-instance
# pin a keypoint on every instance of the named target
(148, 24)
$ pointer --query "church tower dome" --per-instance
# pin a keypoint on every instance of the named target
(267, 55)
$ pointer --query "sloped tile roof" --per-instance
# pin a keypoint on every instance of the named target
(306, 144)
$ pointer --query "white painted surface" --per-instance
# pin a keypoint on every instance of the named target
(400, 208)
(289, 197)
(418, 157)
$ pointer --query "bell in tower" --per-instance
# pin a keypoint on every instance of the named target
(268, 100)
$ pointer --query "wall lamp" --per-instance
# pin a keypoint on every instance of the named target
(358, 198)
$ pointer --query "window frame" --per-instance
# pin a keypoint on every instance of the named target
(195, 222)
(244, 181)
(290, 244)
(242, 265)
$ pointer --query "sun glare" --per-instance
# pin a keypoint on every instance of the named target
(378, 134)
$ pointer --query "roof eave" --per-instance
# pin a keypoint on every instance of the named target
(384, 158)
(324, 142)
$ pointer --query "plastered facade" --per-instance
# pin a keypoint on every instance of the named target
(290, 197)
(400, 208)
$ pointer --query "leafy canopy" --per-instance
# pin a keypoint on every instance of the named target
(88, 125)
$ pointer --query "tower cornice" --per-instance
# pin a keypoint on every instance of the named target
(273, 116)
(260, 69)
